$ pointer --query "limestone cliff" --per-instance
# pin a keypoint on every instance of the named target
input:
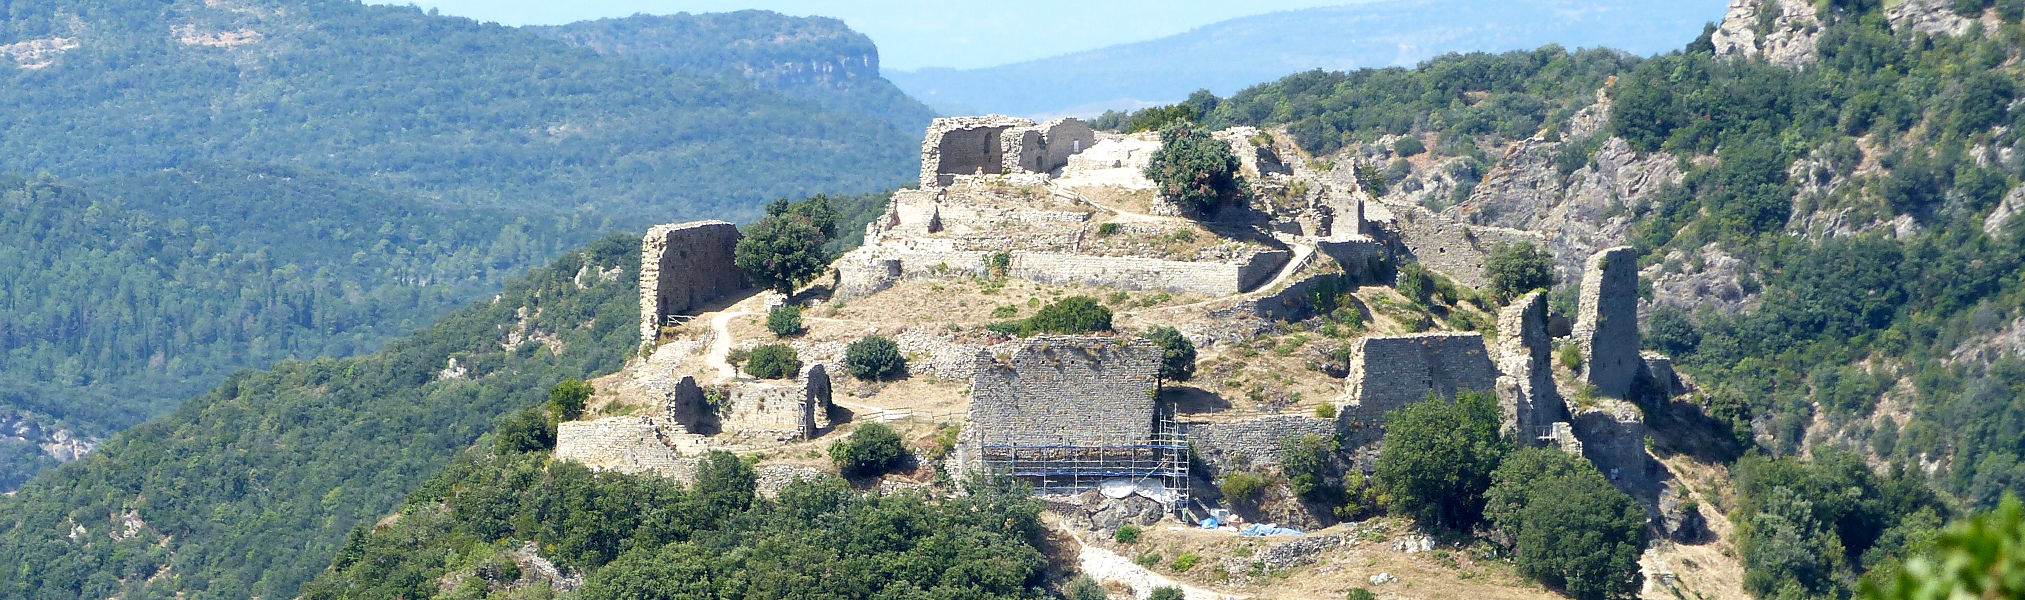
(1784, 31)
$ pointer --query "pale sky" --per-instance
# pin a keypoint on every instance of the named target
(914, 34)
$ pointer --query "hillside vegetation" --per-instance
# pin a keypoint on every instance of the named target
(249, 489)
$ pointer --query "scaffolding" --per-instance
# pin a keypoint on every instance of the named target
(1073, 465)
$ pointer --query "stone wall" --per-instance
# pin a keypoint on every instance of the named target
(764, 411)
(1064, 138)
(1451, 248)
(1613, 438)
(867, 273)
(1525, 360)
(1607, 324)
(1065, 390)
(682, 266)
(629, 444)
(1256, 442)
(1389, 372)
(995, 144)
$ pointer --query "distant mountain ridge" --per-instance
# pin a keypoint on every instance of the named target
(1230, 55)
(811, 58)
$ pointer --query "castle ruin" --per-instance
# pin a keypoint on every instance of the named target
(683, 266)
(998, 145)
(1389, 372)
(1607, 324)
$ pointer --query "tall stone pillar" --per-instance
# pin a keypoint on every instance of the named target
(1607, 324)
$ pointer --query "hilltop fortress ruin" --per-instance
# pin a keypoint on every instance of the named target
(1046, 209)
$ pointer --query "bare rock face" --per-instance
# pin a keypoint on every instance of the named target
(1707, 277)
(1785, 31)
(2013, 204)
(1934, 17)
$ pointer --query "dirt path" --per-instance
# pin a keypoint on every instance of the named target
(720, 345)
(1124, 216)
(1104, 565)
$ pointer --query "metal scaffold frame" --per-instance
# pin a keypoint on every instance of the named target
(1074, 465)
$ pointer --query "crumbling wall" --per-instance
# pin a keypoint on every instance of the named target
(630, 444)
(686, 406)
(1256, 442)
(1065, 390)
(682, 266)
(1612, 434)
(1525, 359)
(1451, 248)
(1607, 324)
(1064, 138)
(866, 273)
(1389, 372)
(965, 146)
(778, 412)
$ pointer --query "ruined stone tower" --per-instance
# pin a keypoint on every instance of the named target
(682, 266)
(1607, 324)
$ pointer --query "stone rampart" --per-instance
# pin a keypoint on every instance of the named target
(1256, 442)
(779, 412)
(864, 274)
(1525, 360)
(628, 444)
(682, 266)
(1389, 372)
(998, 144)
(1065, 390)
(1607, 324)
(1451, 248)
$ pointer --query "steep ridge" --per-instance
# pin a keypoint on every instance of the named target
(812, 58)
(476, 114)
(1225, 57)
(249, 490)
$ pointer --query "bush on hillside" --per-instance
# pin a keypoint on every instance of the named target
(1514, 269)
(773, 361)
(1071, 315)
(785, 320)
(1194, 168)
(566, 399)
(874, 358)
(1177, 354)
(1437, 458)
(871, 450)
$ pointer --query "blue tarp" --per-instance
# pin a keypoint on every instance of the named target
(1260, 529)
(1211, 523)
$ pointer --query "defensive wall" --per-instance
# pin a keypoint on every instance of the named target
(1389, 372)
(1606, 326)
(864, 274)
(998, 144)
(682, 266)
(1066, 390)
(1228, 446)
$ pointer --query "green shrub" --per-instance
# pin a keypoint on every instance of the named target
(1325, 410)
(1360, 594)
(1005, 311)
(873, 358)
(525, 431)
(1408, 146)
(1084, 588)
(1107, 229)
(1515, 269)
(785, 321)
(1147, 560)
(773, 361)
(1242, 487)
(1185, 561)
(1415, 282)
(1305, 461)
(1193, 168)
(1128, 534)
(1167, 593)
(1177, 354)
(566, 399)
(1074, 314)
(1571, 357)
(871, 450)
(1000, 264)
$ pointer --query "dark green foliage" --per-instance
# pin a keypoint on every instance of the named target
(1326, 111)
(1242, 487)
(1670, 330)
(526, 430)
(1177, 354)
(1154, 118)
(1569, 528)
(1360, 594)
(874, 358)
(566, 399)
(1306, 460)
(1979, 557)
(1085, 588)
(1515, 269)
(785, 320)
(1165, 593)
(1415, 282)
(1437, 458)
(1811, 527)
(127, 295)
(1193, 168)
(873, 449)
(1985, 96)
(1126, 534)
(784, 250)
(773, 361)
(296, 456)
(638, 536)
(478, 114)
(1408, 146)
(1074, 314)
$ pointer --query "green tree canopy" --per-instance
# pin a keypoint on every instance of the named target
(1177, 354)
(874, 357)
(1515, 269)
(871, 450)
(1568, 527)
(784, 249)
(1193, 167)
(1437, 458)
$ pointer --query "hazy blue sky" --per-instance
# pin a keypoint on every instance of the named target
(914, 34)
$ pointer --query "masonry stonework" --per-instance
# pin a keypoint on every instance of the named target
(682, 266)
(1526, 380)
(1066, 390)
(998, 144)
(1389, 372)
(1453, 249)
(1226, 446)
(1607, 324)
(628, 444)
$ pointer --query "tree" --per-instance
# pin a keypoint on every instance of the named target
(871, 450)
(1305, 461)
(1166, 592)
(784, 249)
(1569, 528)
(785, 320)
(1980, 557)
(1515, 269)
(1408, 146)
(527, 430)
(1193, 167)
(1437, 458)
(773, 361)
(874, 358)
(725, 485)
(1415, 282)
(1074, 314)
(1177, 354)
(566, 399)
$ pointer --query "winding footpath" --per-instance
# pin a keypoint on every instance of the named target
(1104, 565)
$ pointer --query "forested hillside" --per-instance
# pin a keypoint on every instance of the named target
(225, 184)
(1860, 198)
(249, 490)
(812, 58)
(478, 115)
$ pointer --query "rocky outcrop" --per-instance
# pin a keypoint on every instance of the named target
(1936, 17)
(2013, 204)
(1785, 32)
(1594, 207)
(1708, 277)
